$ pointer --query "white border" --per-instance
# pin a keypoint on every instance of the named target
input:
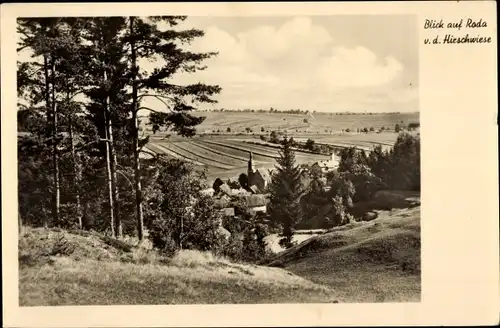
(458, 104)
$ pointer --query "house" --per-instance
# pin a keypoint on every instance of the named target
(228, 211)
(222, 202)
(256, 203)
(224, 188)
(260, 178)
(208, 192)
(328, 165)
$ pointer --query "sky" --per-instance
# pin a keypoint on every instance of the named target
(323, 63)
(365, 63)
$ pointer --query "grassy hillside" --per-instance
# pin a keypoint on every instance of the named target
(64, 268)
(376, 261)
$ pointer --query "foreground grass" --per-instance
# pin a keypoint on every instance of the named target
(93, 275)
(377, 261)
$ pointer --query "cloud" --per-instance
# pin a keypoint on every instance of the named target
(294, 65)
(357, 67)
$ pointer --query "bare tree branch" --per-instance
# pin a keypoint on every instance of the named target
(150, 109)
(157, 96)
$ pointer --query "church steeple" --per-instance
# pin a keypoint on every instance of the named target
(251, 168)
(250, 163)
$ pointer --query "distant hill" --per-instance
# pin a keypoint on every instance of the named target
(238, 122)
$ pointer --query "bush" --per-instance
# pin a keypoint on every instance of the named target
(197, 229)
(287, 242)
(216, 185)
(179, 216)
(413, 125)
(274, 137)
(243, 180)
(247, 236)
(62, 247)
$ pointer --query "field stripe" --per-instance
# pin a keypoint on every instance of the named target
(208, 162)
(176, 155)
(182, 145)
(233, 159)
(200, 144)
(232, 146)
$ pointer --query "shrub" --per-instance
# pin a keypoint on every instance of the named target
(274, 137)
(287, 242)
(243, 180)
(413, 125)
(309, 144)
(216, 185)
(62, 247)
(179, 216)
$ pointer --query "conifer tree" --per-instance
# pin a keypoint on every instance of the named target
(286, 190)
(109, 101)
(147, 41)
(53, 44)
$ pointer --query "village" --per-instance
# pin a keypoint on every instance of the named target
(251, 190)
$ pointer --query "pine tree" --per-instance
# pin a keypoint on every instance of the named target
(147, 41)
(53, 44)
(286, 191)
(110, 106)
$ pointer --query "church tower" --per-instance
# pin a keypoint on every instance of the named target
(251, 169)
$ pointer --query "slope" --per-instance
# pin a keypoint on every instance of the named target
(59, 267)
(376, 261)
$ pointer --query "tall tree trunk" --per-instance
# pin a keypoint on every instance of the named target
(47, 90)
(55, 152)
(76, 172)
(113, 166)
(109, 175)
(48, 107)
(135, 120)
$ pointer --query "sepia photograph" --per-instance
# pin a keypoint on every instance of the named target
(249, 164)
(186, 160)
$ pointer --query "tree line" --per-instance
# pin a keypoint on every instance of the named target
(80, 93)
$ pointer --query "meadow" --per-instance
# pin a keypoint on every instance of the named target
(376, 261)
